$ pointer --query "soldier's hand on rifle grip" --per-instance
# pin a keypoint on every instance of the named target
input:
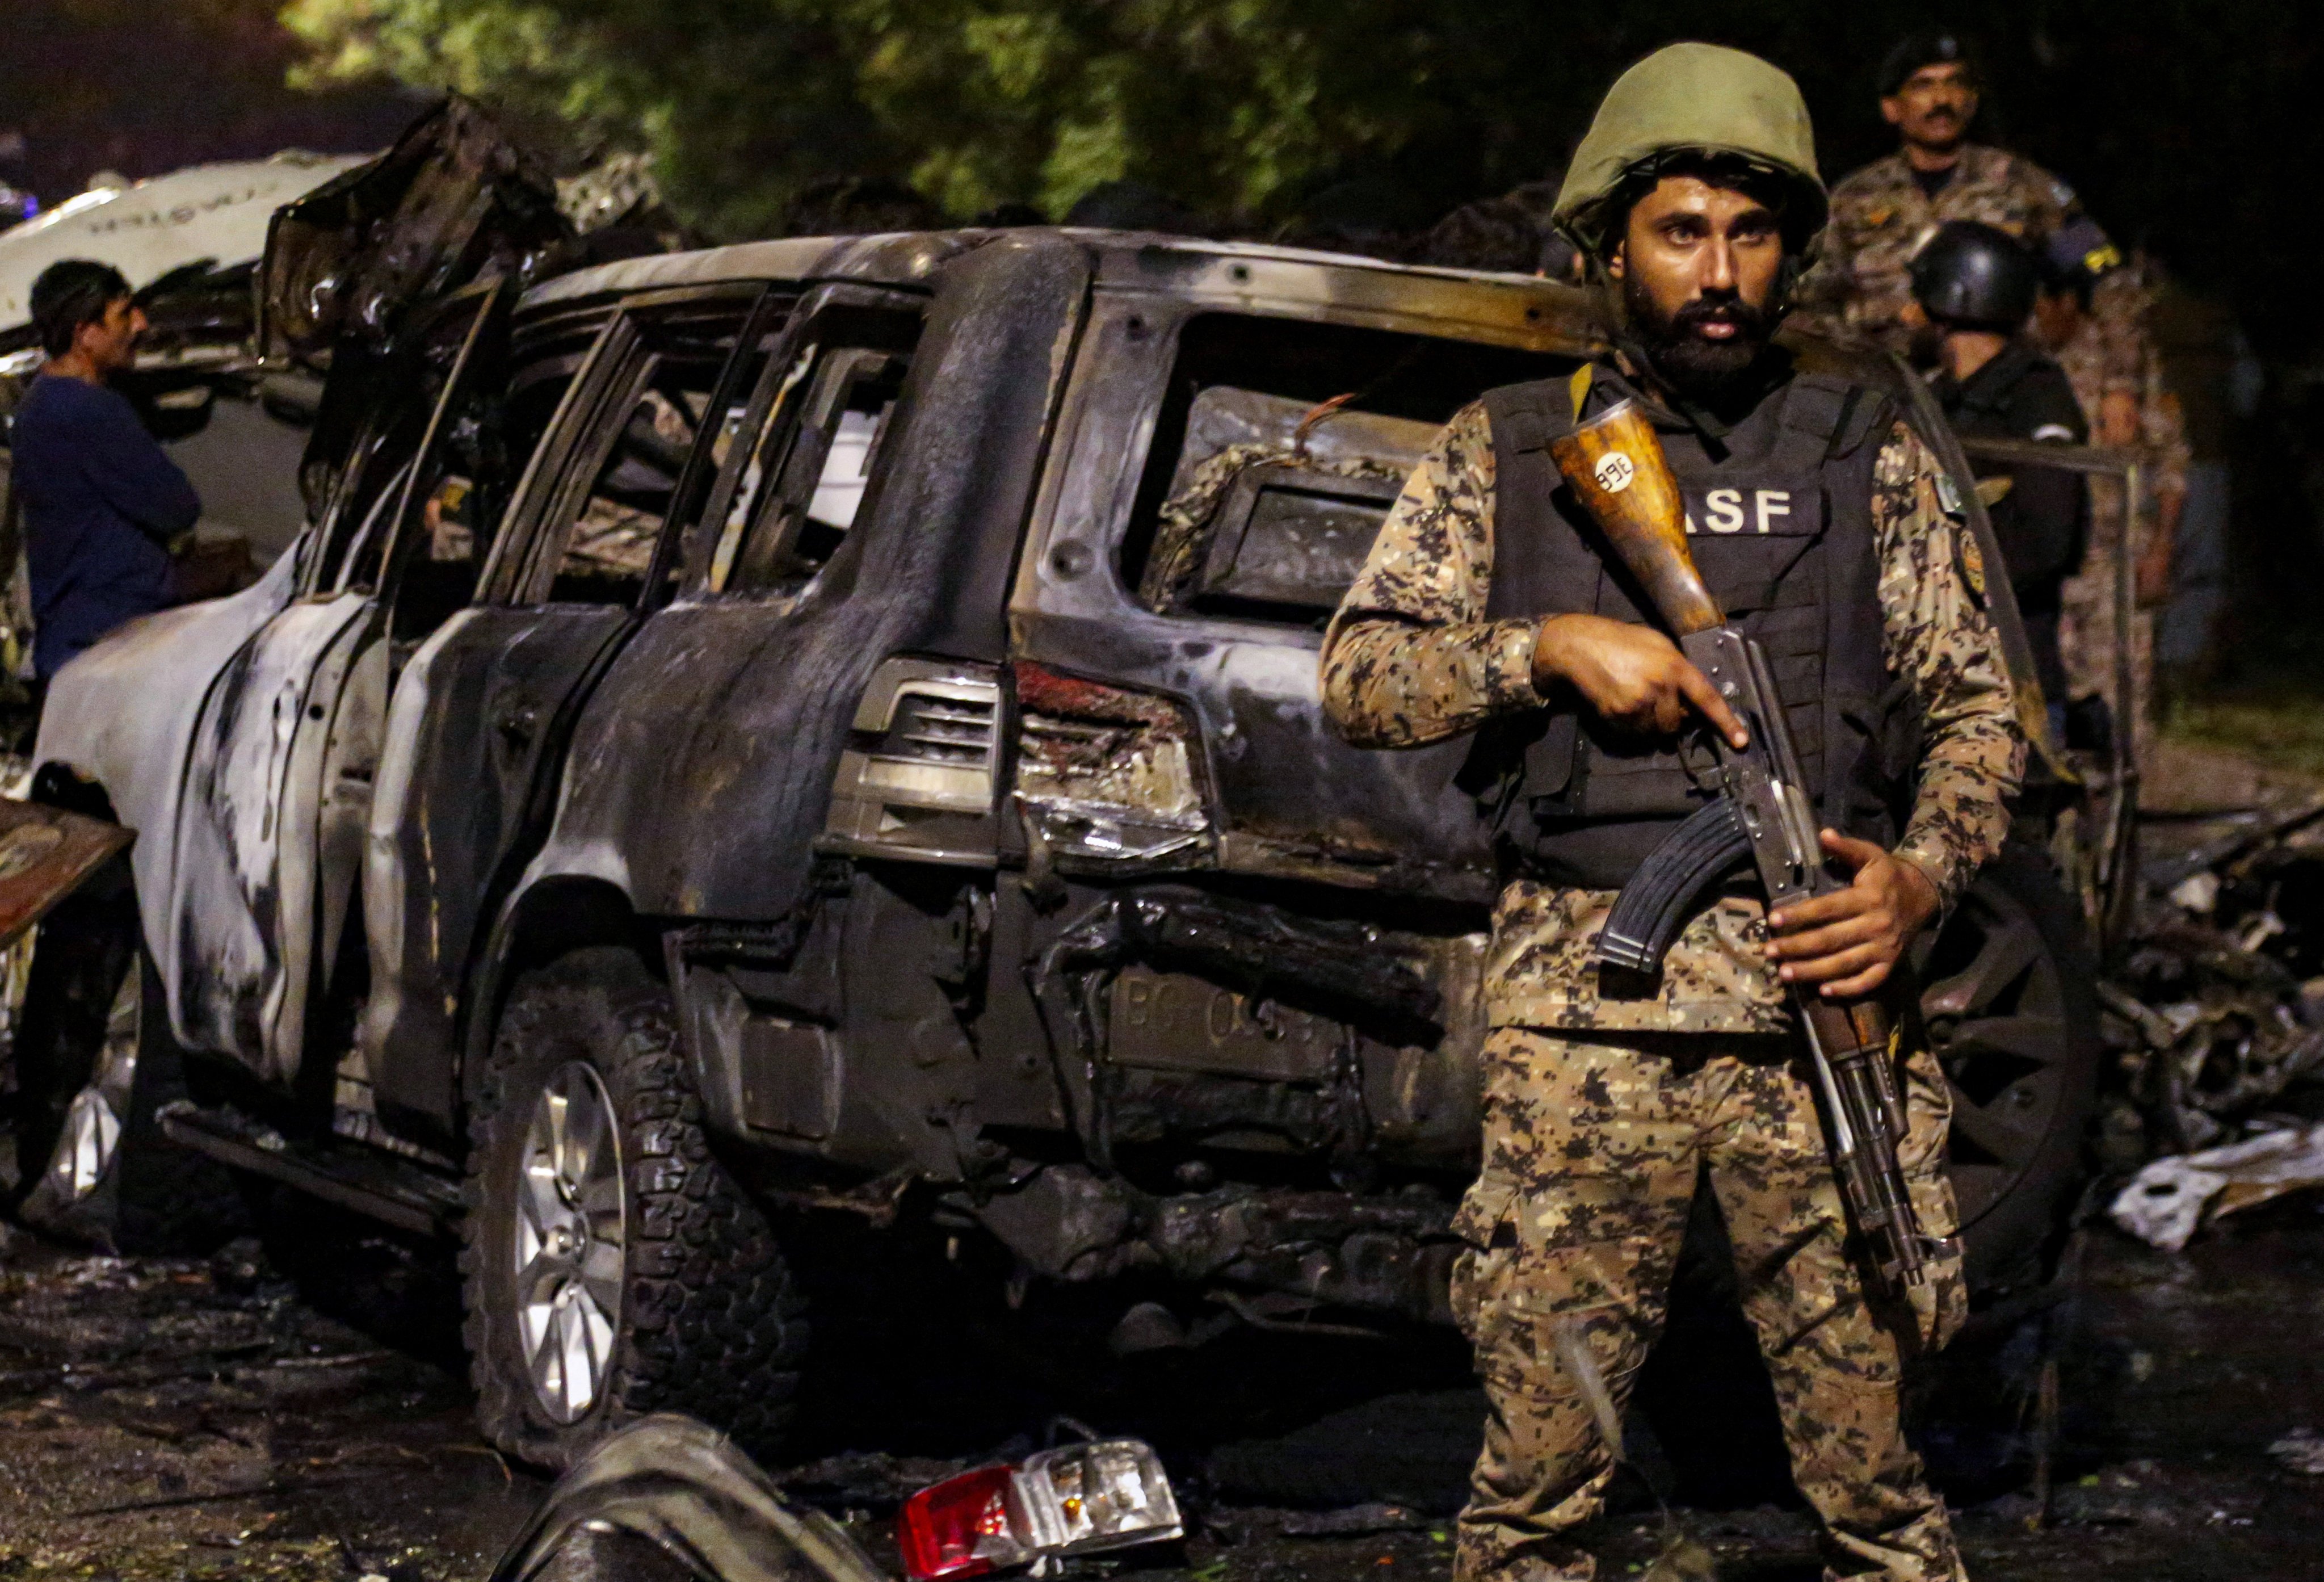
(1631, 675)
(1850, 939)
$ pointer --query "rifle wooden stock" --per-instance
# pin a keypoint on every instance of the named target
(1616, 468)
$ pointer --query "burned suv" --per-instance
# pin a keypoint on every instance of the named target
(828, 731)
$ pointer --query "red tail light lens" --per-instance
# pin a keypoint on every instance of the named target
(961, 1527)
(1108, 776)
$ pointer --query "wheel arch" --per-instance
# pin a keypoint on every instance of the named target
(551, 916)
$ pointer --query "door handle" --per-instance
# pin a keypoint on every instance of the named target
(519, 723)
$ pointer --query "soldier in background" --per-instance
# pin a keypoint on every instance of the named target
(1930, 91)
(1976, 287)
(2128, 407)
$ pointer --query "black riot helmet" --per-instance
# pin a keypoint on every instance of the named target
(1972, 276)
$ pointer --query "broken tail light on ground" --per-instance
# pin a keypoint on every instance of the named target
(1077, 1500)
(1107, 774)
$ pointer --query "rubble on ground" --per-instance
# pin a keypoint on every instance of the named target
(2302, 1451)
(2166, 1202)
(2215, 1023)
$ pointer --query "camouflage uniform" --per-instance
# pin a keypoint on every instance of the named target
(2085, 629)
(1860, 285)
(1601, 1112)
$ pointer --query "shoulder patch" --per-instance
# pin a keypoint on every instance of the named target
(1948, 497)
(1970, 558)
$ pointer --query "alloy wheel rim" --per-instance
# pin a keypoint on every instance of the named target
(568, 1241)
(91, 1138)
(92, 1135)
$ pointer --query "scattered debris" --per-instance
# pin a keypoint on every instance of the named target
(2215, 1018)
(1683, 1561)
(2168, 1201)
(870, 1480)
(2302, 1451)
(1353, 1521)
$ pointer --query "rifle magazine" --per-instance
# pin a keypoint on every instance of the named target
(1655, 905)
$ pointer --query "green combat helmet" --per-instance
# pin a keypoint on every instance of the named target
(1693, 99)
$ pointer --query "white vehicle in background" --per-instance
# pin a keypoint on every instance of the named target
(214, 215)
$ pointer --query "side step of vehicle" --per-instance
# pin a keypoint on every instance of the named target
(402, 1194)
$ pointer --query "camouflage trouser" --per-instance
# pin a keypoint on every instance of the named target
(1593, 1148)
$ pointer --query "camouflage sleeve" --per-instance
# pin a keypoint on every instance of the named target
(1940, 637)
(1410, 658)
(2120, 305)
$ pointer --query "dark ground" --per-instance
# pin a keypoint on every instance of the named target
(168, 1418)
(306, 1416)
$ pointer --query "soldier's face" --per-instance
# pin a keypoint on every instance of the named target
(1697, 267)
(1934, 107)
(2057, 318)
(1694, 251)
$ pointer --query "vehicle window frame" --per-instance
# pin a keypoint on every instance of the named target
(766, 552)
(771, 421)
(335, 557)
(617, 370)
(1094, 500)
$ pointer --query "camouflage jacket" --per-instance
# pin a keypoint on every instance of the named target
(1859, 283)
(1411, 659)
(2114, 337)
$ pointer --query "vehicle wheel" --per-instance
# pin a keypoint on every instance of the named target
(2010, 995)
(95, 1065)
(611, 1266)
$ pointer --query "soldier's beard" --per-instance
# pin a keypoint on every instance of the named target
(1696, 367)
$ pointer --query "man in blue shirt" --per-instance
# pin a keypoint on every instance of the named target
(101, 500)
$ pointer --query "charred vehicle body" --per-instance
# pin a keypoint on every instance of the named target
(829, 730)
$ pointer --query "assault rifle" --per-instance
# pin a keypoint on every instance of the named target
(1616, 468)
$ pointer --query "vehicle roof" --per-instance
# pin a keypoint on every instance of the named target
(1532, 309)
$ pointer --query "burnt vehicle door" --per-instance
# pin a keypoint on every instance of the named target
(481, 714)
(284, 754)
(834, 648)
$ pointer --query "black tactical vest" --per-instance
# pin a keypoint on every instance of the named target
(1780, 521)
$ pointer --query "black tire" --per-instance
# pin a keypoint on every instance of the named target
(707, 1319)
(95, 1065)
(2009, 993)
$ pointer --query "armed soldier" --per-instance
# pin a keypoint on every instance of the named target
(1976, 287)
(1827, 531)
(1882, 215)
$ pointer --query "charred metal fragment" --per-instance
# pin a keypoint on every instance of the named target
(1341, 970)
(453, 201)
(1386, 1255)
(667, 1492)
(1349, 969)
